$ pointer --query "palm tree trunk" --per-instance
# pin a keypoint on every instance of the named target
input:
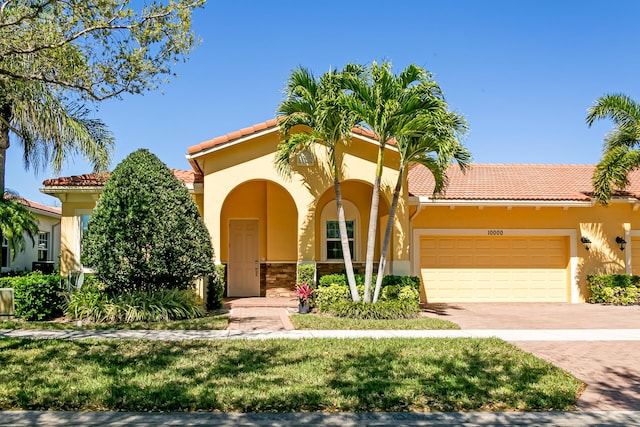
(344, 240)
(373, 224)
(387, 234)
(4, 145)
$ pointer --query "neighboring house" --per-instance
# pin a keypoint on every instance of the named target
(44, 255)
(500, 233)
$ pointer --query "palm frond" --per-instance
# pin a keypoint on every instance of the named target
(16, 222)
(612, 172)
(51, 130)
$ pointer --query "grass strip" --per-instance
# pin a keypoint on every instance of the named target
(317, 322)
(216, 322)
(280, 376)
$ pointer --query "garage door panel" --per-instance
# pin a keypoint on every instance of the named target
(494, 269)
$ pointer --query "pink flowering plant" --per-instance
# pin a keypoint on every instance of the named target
(303, 292)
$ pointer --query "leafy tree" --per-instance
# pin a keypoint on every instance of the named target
(620, 154)
(318, 103)
(146, 232)
(97, 49)
(58, 55)
(16, 221)
(392, 107)
(435, 150)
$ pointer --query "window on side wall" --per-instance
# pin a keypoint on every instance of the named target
(82, 218)
(43, 246)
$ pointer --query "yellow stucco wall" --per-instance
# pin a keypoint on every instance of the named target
(600, 224)
(303, 195)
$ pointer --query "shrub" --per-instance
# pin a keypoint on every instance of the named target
(393, 309)
(215, 288)
(340, 279)
(328, 295)
(90, 303)
(401, 281)
(146, 232)
(617, 289)
(87, 303)
(306, 274)
(37, 296)
(398, 292)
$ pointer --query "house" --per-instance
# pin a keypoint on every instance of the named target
(500, 233)
(44, 254)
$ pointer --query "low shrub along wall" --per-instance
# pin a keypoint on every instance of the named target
(37, 296)
(616, 289)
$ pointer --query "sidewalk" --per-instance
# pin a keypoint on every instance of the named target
(512, 335)
(438, 419)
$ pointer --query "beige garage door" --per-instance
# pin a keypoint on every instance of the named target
(500, 269)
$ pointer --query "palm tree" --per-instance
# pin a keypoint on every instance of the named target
(49, 128)
(388, 105)
(318, 105)
(620, 155)
(435, 150)
(16, 221)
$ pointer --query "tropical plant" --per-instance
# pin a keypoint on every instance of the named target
(146, 232)
(318, 104)
(391, 107)
(436, 150)
(620, 154)
(16, 222)
(303, 292)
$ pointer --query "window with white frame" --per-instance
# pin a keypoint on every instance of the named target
(5, 253)
(331, 249)
(333, 242)
(43, 246)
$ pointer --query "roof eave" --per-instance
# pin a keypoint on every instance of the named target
(429, 201)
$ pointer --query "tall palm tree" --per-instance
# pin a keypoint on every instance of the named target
(318, 104)
(435, 150)
(387, 105)
(621, 154)
(49, 128)
(16, 221)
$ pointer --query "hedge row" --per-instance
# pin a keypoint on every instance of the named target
(616, 289)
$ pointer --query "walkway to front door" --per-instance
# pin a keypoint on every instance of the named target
(254, 314)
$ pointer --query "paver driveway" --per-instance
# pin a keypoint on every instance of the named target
(611, 369)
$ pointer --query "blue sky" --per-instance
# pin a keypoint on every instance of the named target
(523, 73)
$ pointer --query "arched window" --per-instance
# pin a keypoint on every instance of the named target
(330, 232)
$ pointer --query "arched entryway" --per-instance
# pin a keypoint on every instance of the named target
(258, 239)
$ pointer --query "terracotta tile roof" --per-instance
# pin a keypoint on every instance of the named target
(98, 179)
(255, 129)
(35, 205)
(232, 136)
(515, 182)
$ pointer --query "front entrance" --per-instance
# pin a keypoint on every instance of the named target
(244, 258)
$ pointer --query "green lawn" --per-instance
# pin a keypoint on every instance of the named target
(204, 323)
(315, 321)
(280, 376)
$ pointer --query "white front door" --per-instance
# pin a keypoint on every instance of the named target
(244, 263)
